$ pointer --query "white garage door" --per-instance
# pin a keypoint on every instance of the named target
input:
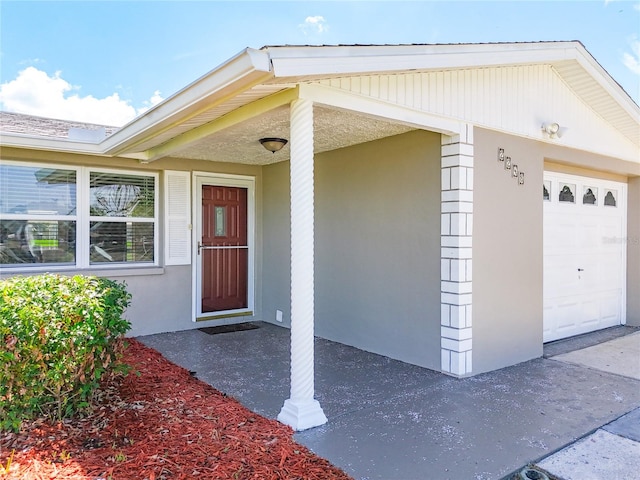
(584, 255)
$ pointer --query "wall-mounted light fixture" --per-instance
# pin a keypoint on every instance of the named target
(551, 129)
(273, 144)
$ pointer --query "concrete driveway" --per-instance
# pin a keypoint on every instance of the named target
(391, 420)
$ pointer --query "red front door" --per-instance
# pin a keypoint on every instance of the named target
(224, 250)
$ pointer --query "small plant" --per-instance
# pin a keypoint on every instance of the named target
(58, 336)
(5, 469)
(64, 456)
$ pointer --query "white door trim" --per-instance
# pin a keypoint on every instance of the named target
(224, 180)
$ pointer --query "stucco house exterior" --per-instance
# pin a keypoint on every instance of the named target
(450, 206)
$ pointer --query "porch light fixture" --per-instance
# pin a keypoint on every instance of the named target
(551, 129)
(273, 144)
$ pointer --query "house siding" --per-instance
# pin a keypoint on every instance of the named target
(514, 99)
(377, 246)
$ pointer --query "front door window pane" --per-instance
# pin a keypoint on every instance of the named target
(221, 221)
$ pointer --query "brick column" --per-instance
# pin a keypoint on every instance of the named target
(456, 253)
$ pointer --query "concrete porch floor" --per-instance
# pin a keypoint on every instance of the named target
(392, 420)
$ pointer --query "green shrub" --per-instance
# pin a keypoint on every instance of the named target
(58, 336)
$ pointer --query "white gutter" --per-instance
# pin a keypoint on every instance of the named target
(340, 60)
(55, 144)
(242, 71)
(246, 69)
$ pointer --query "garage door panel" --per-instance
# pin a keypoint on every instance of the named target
(584, 258)
(610, 308)
(561, 239)
(609, 271)
(589, 313)
(567, 284)
(589, 236)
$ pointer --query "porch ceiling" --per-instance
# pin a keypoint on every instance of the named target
(333, 129)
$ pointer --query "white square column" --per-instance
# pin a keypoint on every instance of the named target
(456, 253)
(302, 411)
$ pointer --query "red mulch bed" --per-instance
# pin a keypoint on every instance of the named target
(160, 424)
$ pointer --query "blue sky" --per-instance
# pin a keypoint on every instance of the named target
(107, 61)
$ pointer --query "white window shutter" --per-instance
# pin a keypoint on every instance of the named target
(177, 221)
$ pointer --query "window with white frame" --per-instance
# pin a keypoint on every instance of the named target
(76, 216)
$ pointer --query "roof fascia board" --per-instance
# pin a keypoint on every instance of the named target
(594, 69)
(49, 143)
(322, 94)
(234, 117)
(313, 61)
(249, 68)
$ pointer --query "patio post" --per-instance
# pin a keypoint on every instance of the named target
(302, 411)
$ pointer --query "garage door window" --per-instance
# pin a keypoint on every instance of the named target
(610, 199)
(566, 194)
(590, 196)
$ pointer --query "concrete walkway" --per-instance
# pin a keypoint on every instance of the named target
(391, 420)
(613, 451)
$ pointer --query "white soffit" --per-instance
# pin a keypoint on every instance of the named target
(238, 74)
(601, 100)
(214, 113)
(333, 129)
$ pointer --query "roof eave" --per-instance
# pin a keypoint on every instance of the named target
(248, 68)
(613, 88)
(16, 140)
(290, 61)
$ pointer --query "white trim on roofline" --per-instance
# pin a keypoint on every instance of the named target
(19, 140)
(248, 68)
(289, 61)
(299, 64)
(292, 61)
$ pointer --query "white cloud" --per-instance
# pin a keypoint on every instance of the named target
(155, 99)
(632, 60)
(316, 24)
(34, 92)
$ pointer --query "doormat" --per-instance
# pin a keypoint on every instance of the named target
(236, 327)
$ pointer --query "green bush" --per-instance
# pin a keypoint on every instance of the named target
(58, 336)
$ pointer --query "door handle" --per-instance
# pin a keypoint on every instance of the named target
(581, 269)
